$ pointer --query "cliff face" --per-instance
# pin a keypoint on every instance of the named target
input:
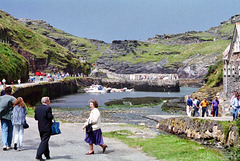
(187, 54)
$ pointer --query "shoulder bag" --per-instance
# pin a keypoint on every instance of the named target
(25, 125)
(55, 128)
(89, 128)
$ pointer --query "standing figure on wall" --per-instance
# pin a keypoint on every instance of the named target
(235, 107)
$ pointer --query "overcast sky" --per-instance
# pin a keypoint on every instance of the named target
(109, 20)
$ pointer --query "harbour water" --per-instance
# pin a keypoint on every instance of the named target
(80, 100)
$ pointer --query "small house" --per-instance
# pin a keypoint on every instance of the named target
(231, 64)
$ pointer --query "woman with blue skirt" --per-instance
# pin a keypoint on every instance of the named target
(95, 136)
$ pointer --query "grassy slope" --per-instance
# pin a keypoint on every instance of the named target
(151, 52)
(12, 65)
(86, 50)
(36, 44)
(204, 48)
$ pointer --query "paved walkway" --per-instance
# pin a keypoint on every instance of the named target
(70, 145)
(160, 117)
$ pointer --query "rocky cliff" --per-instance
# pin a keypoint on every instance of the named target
(188, 54)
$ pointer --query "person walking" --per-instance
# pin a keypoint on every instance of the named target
(204, 105)
(94, 137)
(233, 97)
(214, 107)
(6, 107)
(3, 90)
(18, 120)
(43, 114)
(235, 107)
(4, 81)
(196, 104)
(19, 82)
(189, 106)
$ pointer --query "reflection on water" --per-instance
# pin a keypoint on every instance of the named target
(80, 100)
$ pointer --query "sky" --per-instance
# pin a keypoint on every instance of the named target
(109, 20)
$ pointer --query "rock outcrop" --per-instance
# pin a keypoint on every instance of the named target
(130, 56)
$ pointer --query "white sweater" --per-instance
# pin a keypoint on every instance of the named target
(94, 119)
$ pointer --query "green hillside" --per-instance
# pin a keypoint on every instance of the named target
(13, 66)
(40, 51)
(82, 47)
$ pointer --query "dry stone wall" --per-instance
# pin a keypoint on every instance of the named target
(200, 129)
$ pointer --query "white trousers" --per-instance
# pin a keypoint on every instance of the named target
(19, 132)
(189, 111)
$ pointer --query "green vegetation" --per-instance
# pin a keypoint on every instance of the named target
(136, 102)
(30, 112)
(226, 29)
(157, 52)
(37, 46)
(12, 65)
(214, 77)
(226, 125)
(168, 147)
(83, 47)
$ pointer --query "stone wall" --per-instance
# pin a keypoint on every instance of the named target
(33, 94)
(141, 85)
(200, 129)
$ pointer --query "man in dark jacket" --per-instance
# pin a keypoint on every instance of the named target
(43, 114)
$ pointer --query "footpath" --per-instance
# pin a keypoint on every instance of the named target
(160, 117)
(70, 145)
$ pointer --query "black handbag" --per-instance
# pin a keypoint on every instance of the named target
(55, 128)
(25, 125)
(89, 129)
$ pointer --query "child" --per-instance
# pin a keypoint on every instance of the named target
(18, 119)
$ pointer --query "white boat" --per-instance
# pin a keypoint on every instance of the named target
(101, 89)
(95, 89)
(128, 90)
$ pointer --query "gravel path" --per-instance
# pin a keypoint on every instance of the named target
(70, 145)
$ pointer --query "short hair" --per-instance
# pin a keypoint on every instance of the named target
(45, 99)
(95, 103)
(195, 97)
(8, 90)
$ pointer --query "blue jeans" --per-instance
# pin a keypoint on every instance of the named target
(215, 111)
(7, 132)
(235, 113)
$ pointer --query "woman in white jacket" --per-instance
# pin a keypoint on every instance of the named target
(94, 137)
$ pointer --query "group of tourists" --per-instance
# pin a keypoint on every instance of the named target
(13, 117)
(195, 106)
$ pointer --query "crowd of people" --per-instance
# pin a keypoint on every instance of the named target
(13, 117)
(195, 106)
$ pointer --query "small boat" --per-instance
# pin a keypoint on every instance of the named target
(101, 89)
(95, 89)
(128, 90)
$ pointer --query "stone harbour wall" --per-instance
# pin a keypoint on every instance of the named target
(200, 129)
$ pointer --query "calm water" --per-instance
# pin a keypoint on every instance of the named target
(80, 100)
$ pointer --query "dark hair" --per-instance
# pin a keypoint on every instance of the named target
(8, 90)
(95, 103)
